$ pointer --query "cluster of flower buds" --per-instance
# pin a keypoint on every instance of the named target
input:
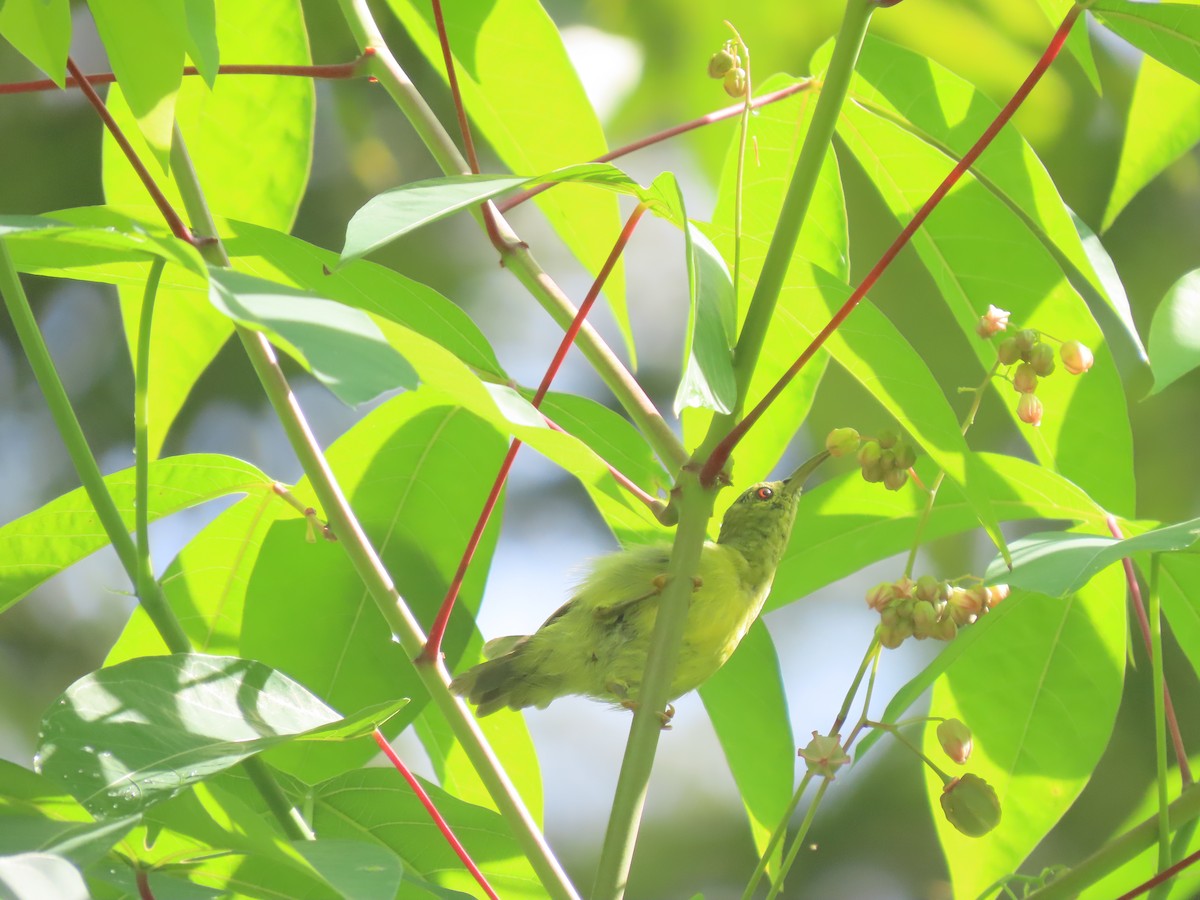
(885, 459)
(928, 608)
(726, 64)
(1033, 358)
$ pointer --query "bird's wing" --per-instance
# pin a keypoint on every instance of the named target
(623, 582)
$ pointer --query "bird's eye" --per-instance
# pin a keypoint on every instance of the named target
(764, 493)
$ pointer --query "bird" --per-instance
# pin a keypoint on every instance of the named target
(596, 644)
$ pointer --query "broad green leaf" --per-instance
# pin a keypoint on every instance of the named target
(1179, 586)
(396, 212)
(416, 472)
(145, 43)
(1170, 32)
(201, 38)
(375, 805)
(36, 876)
(847, 523)
(41, 31)
(1175, 332)
(748, 708)
(130, 735)
(777, 132)
(1162, 124)
(42, 543)
(532, 111)
(1059, 563)
(358, 870)
(275, 256)
(708, 381)
(958, 245)
(1021, 692)
(342, 346)
(250, 140)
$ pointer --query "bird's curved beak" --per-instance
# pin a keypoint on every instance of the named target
(794, 483)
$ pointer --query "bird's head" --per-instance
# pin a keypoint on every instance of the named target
(769, 503)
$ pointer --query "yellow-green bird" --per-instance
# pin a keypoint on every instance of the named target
(596, 643)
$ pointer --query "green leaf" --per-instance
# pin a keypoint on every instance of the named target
(42, 543)
(1170, 32)
(1163, 123)
(130, 735)
(708, 381)
(846, 523)
(1021, 691)
(394, 213)
(358, 870)
(1078, 43)
(558, 129)
(41, 32)
(1059, 563)
(145, 43)
(1081, 413)
(748, 707)
(1179, 584)
(201, 38)
(377, 806)
(250, 142)
(1175, 332)
(340, 345)
(36, 876)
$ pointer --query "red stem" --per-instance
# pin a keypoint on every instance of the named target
(142, 878)
(1139, 611)
(176, 224)
(721, 453)
(338, 70)
(433, 644)
(728, 112)
(430, 808)
(1164, 875)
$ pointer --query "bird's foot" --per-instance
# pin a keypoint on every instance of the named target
(665, 716)
(660, 582)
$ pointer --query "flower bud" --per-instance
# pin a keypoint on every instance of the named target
(955, 738)
(735, 82)
(1008, 352)
(1076, 357)
(893, 635)
(1042, 359)
(970, 804)
(824, 755)
(880, 596)
(869, 453)
(720, 63)
(1029, 410)
(971, 600)
(945, 628)
(904, 586)
(924, 617)
(872, 473)
(1025, 339)
(1025, 380)
(842, 442)
(887, 438)
(996, 593)
(895, 479)
(992, 322)
(927, 588)
(906, 455)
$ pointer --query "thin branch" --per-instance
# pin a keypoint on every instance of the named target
(141, 431)
(1162, 877)
(173, 220)
(724, 448)
(719, 115)
(1139, 612)
(656, 506)
(430, 807)
(433, 646)
(333, 71)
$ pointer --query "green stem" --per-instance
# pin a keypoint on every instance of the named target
(369, 567)
(517, 258)
(738, 199)
(777, 837)
(82, 459)
(895, 732)
(868, 658)
(141, 431)
(1120, 850)
(695, 508)
(798, 840)
(1160, 723)
(817, 143)
(965, 426)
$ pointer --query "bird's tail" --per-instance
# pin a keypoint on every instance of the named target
(499, 682)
